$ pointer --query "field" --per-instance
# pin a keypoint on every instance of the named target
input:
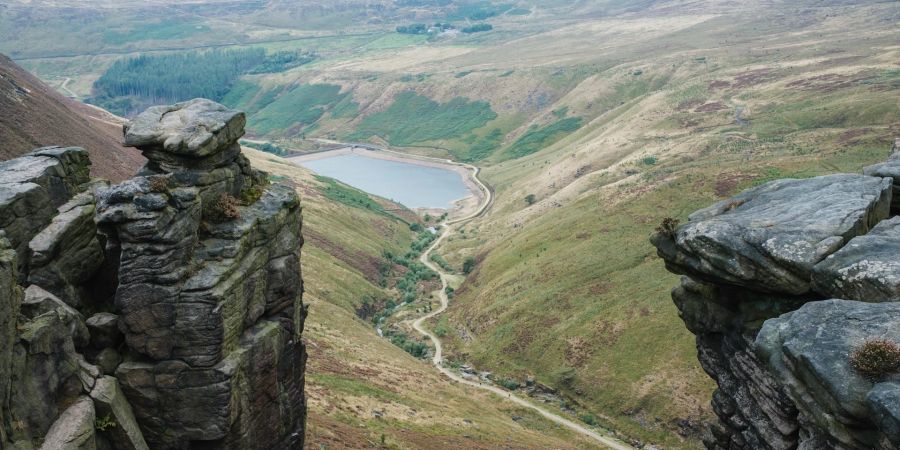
(608, 116)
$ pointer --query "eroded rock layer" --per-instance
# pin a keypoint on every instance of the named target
(162, 312)
(782, 283)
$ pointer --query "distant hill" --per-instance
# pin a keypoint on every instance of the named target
(34, 115)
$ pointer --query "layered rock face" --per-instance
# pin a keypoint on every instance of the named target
(189, 276)
(781, 283)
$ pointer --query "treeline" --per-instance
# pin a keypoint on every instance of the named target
(132, 84)
(477, 28)
(179, 76)
(284, 60)
(440, 27)
(422, 28)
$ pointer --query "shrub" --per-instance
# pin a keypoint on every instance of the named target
(223, 209)
(159, 184)
(876, 358)
(530, 199)
(508, 384)
(650, 160)
(589, 419)
(668, 227)
(104, 423)
(468, 265)
(478, 28)
(252, 194)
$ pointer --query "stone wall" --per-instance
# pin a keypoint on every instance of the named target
(781, 283)
(162, 312)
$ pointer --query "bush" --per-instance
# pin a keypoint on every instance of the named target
(478, 28)
(468, 265)
(668, 227)
(589, 419)
(649, 160)
(508, 384)
(876, 358)
(530, 199)
(223, 209)
(159, 184)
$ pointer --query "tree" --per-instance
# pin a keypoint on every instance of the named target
(530, 199)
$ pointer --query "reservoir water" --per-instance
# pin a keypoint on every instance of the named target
(412, 185)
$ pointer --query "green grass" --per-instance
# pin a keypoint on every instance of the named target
(174, 29)
(350, 196)
(538, 138)
(296, 109)
(413, 119)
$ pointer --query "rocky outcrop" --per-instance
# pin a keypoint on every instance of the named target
(807, 351)
(781, 283)
(189, 276)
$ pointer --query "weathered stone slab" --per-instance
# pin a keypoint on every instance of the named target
(749, 400)
(866, 269)
(38, 302)
(104, 328)
(884, 400)
(769, 238)
(32, 187)
(889, 169)
(74, 429)
(195, 128)
(808, 350)
(231, 403)
(110, 402)
(10, 302)
(67, 253)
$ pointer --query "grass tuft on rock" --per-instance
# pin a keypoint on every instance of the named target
(223, 209)
(876, 358)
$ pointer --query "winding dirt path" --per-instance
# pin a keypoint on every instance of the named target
(438, 359)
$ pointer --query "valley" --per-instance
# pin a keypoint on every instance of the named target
(589, 123)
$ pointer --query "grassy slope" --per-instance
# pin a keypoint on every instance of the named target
(572, 283)
(353, 375)
(573, 276)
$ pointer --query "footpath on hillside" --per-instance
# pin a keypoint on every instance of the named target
(447, 228)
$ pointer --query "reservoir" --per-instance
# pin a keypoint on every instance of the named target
(413, 185)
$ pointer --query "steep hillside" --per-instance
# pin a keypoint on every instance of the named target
(34, 115)
(568, 291)
(363, 390)
(592, 121)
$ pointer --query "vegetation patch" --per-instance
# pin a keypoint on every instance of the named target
(301, 106)
(876, 358)
(413, 118)
(538, 138)
(411, 346)
(154, 79)
(267, 147)
(478, 28)
(155, 31)
(221, 210)
(352, 197)
(284, 60)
